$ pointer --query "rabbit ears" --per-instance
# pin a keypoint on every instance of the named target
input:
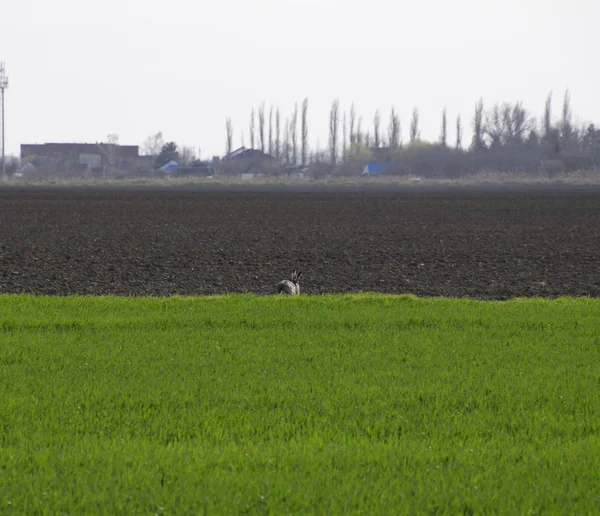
(296, 276)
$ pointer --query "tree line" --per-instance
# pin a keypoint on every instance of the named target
(506, 137)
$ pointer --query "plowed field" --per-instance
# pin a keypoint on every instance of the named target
(493, 244)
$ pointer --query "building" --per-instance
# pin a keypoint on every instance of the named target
(81, 156)
(376, 167)
(248, 162)
(380, 163)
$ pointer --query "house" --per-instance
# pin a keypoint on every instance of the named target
(296, 171)
(80, 156)
(247, 161)
(380, 162)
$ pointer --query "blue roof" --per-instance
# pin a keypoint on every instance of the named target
(376, 167)
(171, 165)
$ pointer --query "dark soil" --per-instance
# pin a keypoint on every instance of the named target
(492, 244)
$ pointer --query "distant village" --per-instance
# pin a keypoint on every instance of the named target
(87, 160)
(112, 160)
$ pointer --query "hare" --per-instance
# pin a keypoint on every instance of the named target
(290, 287)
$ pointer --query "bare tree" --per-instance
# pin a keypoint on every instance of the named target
(444, 131)
(333, 131)
(394, 130)
(548, 117)
(278, 135)
(352, 124)
(187, 155)
(566, 128)
(376, 128)
(294, 135)
(252, 129)
(344, 137)
(359, 136)
(495, 125)
(261, 126)
(458, 132)
(478, 127)
(509, 124)
(304, 131)
(110, 149)
(271, 130)
(229, 130)
(415, 134)
(286, 143)
(242, 144)
(112, 139)
(518, 123)
(551, 134)
(153, 144)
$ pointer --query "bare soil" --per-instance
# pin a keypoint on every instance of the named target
(493, 243)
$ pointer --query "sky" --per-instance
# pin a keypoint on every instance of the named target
(80, 70)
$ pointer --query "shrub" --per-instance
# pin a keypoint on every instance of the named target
(553, 167)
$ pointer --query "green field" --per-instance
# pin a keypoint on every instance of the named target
(249, 404)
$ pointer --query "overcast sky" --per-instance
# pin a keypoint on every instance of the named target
(79, 70)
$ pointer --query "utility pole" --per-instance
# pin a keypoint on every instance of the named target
(3, 86)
